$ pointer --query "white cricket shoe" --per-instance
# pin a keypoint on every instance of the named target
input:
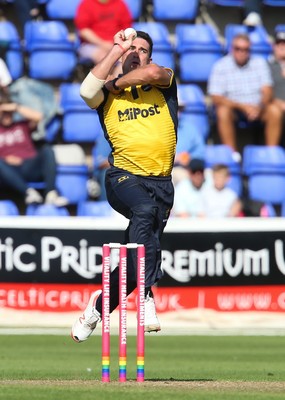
(151, 323)
(86, 324)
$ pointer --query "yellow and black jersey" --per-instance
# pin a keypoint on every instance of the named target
(141, 127)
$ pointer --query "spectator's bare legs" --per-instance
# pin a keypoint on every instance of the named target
(226, 127)
(272, 117)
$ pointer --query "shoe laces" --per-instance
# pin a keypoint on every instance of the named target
(91, 320)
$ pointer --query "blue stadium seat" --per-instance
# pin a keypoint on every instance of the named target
(56, 10)
(175, 10)
(71, 182)
(190, 141)
(192, 100)
(228, 3)
(191, 97)
(198, 47)
(259, 38)
(46, 210)
(80, 122)
(94, 209)
(51, 54)
(223, 154)
(265, 168)
(52, 129)
(274, 3)
(135, 7)
(263, 159)
(279, 27)
(8, 208)
(283, 209)
(10, 41)
(163, 50)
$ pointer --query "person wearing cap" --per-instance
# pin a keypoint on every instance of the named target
(188, 192)
(240, 87)
(277, 66)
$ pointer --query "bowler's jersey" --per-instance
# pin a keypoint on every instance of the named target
(141, 127)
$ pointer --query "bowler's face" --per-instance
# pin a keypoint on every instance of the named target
(136, 56)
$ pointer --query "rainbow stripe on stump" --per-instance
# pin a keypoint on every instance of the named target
(140, 369)
(105, 369)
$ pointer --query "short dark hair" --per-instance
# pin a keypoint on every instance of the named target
(145, 36)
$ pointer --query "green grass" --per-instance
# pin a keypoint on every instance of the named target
(180, 367)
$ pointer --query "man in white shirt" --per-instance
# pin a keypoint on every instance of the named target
(240, 86)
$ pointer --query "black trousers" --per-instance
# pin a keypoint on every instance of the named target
(146, 202)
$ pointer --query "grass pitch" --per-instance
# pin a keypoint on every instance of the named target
(176, 367)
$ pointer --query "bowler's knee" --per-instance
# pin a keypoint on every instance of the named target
(145, 211)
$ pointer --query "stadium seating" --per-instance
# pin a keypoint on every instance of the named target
(223, 154)
(274, 3)
(192, 100)
(163, 51)
(135, 7)
(13, 52)
(228, 3)
(177, 10)
(279, 27)
(80, 123)
(198, 47)
(47, 210)
(71, 182)
(190, 140)
(51, 54)
(56, 10)
(8, 208)
(94, 209)
(264, 167)
(259, 38)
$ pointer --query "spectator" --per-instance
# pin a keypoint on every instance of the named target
(26, 10)
(277, 65)
(187, 197)
(5, 76)
(252, 11)
(97, 21)
(39, 96)
(240, 86)
(218, 200)
(20, 161)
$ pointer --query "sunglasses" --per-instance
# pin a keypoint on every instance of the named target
(241, 49)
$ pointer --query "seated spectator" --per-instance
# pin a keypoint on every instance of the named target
(218, 200)
(39, 96)
(97, 21)
(252, 11)
(5, 76)
(277, 66)
(20, 161)
(240, 86)
(187, 197)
